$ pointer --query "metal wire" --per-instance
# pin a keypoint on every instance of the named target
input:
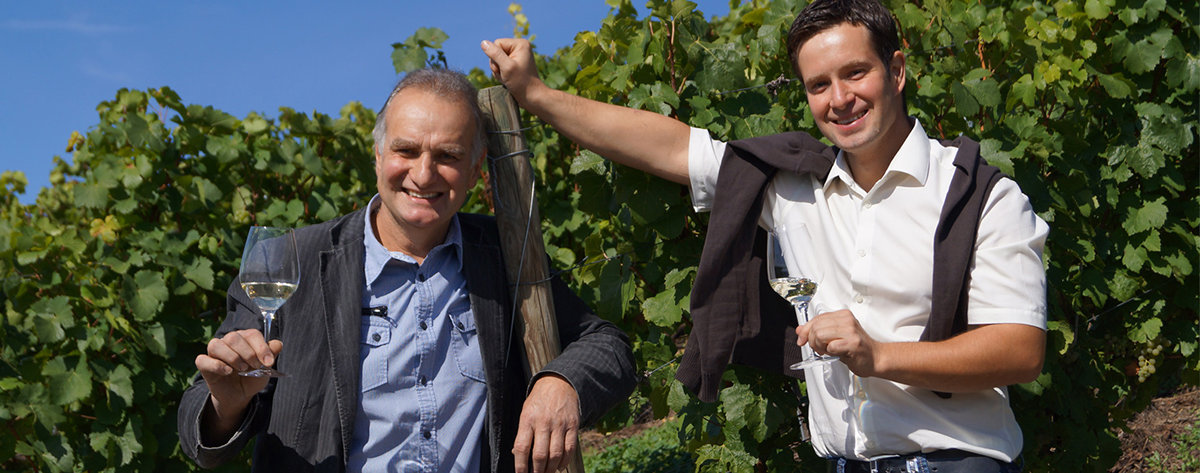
(509, 155)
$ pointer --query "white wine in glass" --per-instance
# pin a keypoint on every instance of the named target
(269, 274)
(795, 288)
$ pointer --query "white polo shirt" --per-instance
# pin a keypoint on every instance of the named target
(872, 253)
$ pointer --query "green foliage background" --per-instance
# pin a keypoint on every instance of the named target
(113, 280)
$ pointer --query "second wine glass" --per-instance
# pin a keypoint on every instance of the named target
(269, 274)
(783, 246)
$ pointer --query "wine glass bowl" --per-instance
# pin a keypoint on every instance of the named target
(269, 273)
(783, 262)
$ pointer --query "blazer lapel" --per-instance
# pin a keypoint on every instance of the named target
(341, 284)
(486, 282)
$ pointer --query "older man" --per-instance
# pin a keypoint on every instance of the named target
(399, 343)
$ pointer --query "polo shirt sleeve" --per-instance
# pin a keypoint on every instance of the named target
(1008, 281)
(704, 163)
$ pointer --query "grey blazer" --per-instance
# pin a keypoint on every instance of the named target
(304, 422)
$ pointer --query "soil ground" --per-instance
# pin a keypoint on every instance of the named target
(1156, 430)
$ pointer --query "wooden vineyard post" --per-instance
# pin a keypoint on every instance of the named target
(520, 227)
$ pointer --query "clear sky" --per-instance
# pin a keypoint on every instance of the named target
(59, 59)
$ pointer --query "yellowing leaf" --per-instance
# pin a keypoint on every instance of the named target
(106, 229)
(75, 140)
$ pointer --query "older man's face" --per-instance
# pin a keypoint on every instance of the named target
(424, 168)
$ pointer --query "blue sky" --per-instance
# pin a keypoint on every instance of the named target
(58, 60)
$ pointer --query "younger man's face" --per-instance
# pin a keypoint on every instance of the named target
(856, 101)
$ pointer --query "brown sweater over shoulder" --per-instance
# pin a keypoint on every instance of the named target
(736, 316)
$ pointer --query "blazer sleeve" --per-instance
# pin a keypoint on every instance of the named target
(196, 397)
(596, 356)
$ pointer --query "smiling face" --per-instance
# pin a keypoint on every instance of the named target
(424, 169)
(856, 100)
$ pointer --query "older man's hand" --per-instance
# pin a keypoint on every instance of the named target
(548, 433)
(231, 393)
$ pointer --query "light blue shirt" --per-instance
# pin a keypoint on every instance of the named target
(423, 396)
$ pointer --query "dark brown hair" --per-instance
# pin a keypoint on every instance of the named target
(821, 15)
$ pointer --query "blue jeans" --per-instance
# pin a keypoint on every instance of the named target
(942, 461)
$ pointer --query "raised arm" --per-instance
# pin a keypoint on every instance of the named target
(636, 138)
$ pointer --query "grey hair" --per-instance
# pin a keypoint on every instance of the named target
(450, 85)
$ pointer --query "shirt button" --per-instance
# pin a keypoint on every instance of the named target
(424, 380)
(460, 326)
(375, 337)
(426, 434)
(423, 326)
(859, 299)
(862, 253)
(867, 205)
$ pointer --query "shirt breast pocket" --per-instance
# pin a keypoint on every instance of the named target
(376, 334)
(465, 343)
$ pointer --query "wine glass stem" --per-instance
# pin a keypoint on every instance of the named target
(806, 351)
(801, 311)
(268, 317)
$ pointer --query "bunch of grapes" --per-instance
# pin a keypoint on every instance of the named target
(1147, 360)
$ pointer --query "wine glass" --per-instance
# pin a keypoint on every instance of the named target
(783, 246)
(269, 274)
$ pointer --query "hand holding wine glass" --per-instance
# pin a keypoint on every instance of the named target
(783, 246)
(269, 274)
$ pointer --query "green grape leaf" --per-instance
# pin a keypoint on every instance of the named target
(50, 318)
(121, 384)
(225, 148)
(986, 92)
(1023, 91)
(721, 68)
(155, 337)
(72, 385)
(662, 310)
(147, 291)
(1184, 73)
(1064, 336)
(91, 195)
(1188, 347)
(1151, 215)
(1146, 332)
(963, 100)
(588, 161)
(725, 459)
(1165, 128)
(1115, 85)
(255, 124)
(200, 272)
(1134, 257)
(1097, 9)
(744, 411)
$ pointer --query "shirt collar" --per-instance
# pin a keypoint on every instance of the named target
(376, 256)
(912, 159)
